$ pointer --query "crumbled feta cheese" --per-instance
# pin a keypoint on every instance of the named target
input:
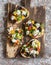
(33, 44)
(36, 32)
(34, 52)
(23, 12)
(31, 52)
(11, 28)
(24, 46)
(34, 55)
(26, 49)
(27, 32)
(18, 12)
(37, 25)
(13, 35)
(12, 17)
(29, 22)
(13, 40)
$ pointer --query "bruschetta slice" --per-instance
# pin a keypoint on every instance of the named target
(34, 29)
(31, 49)
(19, 14)
(14, 42)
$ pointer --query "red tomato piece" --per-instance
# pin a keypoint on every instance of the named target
(29, 28)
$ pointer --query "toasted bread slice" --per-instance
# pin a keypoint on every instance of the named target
(34, 29)
(19, 14)
(11, 51)
(31, 49)
(12, 47)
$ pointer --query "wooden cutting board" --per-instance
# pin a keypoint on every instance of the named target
(36, 13)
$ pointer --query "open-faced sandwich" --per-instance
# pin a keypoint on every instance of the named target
(15, 34)
(34, 29)
(15, 37)
(19, 14)
(31, 49)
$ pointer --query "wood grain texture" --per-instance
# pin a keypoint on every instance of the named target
(46, 60)
(36, 13)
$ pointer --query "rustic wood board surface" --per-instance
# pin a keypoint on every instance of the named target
(36, 13)
(46, 59)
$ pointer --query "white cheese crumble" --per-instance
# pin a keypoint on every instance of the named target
(36, 32)
(23, 12)
(13, 40)
(27, 32)
(37, 25)
(26, 50)
(34, 52)
(31, 52)
(12, 17)
(18, 12)
(29, 22)
(33, 44)
(11, 28)
(13, 35)
(24, 46)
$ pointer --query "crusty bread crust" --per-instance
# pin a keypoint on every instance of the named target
(11, 51)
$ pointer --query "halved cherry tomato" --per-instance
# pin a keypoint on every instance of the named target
(29, 28)
(16, 43)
